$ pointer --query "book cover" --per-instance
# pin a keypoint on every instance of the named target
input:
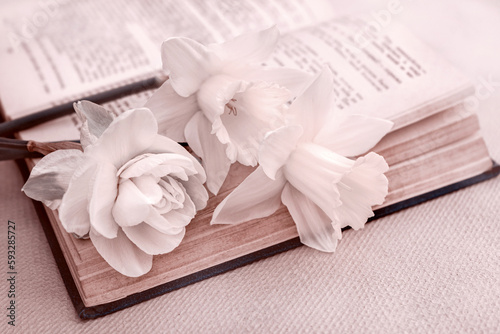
(96, 311)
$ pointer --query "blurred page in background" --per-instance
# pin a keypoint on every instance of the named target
(55, 51)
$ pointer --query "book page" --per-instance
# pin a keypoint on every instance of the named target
(56, 51)
(386, 73)
(68, 127)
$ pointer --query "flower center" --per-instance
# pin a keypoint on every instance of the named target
(260, 107)
(231, 107)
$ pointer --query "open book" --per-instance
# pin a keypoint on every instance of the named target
(435, 146)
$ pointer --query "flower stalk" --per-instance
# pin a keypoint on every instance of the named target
(12, 149)
(46, 148)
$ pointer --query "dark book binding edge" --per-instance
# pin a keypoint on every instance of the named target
(105, 309)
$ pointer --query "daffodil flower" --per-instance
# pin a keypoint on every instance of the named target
(304, 165)
(131, 190)
(221, 100)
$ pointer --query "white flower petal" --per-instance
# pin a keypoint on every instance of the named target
(315, 172)
(213, 96)
(95, 119)
(131, 206)
(126, 137)
(242, 113)
(314, 226)
(172, 196)
(216, 92)
(352, 135)
(174, 188)
(86, 138)
(158, 222)
(148, 186)
(277, 147)
(256, 197)
(197, 192)
(188, 62)
(183, 216)
(102, 200)
(172, 111)
(151, 241)
(175, 165)
(296, 81)
(73, 211)
(158, 165)
(362, 187)
(257, 110)
(245, 135)
(123, 255)
(163, 144)
(209, 149)
(174, 171)
(313, 108)
(253, 47)
(50, 178)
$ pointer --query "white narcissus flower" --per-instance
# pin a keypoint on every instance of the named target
(131, 190)
(304, 166)
(221, 100)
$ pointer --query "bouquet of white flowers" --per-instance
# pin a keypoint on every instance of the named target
(132, 188)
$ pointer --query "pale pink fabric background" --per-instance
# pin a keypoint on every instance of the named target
(434, 268)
